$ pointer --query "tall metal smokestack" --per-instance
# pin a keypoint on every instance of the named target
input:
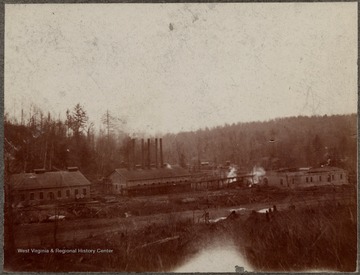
(142, 154)
(133, 154)
(161, 154)
(148, 152)
(128, 153)
(156, 152)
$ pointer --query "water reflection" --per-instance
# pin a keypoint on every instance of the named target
(217, 258)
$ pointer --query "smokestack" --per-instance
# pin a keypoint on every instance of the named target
(156, 152)
(133, 154)
(128, 154)
(148, 151)
(142, 154)
(161, 154)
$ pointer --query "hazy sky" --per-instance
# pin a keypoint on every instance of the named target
(174, 67)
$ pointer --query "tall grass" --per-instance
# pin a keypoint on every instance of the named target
(301, 239)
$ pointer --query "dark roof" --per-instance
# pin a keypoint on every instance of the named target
(303, 171)
(27, 181)
(153, 173)
(325, 169)
(294, 169)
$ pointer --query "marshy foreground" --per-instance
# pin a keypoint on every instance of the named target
(314, 232)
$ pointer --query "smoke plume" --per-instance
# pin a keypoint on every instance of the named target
(231, 174)
(257, 174)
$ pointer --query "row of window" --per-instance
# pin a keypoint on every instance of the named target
(162, 181)
(51, 195)
(119, 187)
(329, 178)
(158, 183)
(311, 179)
(282, 182)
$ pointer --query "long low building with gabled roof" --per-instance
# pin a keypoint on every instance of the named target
(153, 180)
(42, 186)
(306, 177)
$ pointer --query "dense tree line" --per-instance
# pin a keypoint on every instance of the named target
(284, 142)
(42, 141)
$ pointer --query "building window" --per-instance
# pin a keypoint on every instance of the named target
(310, 179)
(59, 194)
(341, 176)
(332, 177)
(329, 178)
(307, 179)
(51, 195)
(281, 181)
(32, 196)
(84, 191)
(293, 181)
(67, 193)
(319, 178)
(76, 192)
(22, 197)
(41, 195)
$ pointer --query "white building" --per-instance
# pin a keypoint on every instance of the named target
(306, 177)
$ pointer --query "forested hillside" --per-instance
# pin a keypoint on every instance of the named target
(284, 142)
(54, 144)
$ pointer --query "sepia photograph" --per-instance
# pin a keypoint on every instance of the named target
(180, 137)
